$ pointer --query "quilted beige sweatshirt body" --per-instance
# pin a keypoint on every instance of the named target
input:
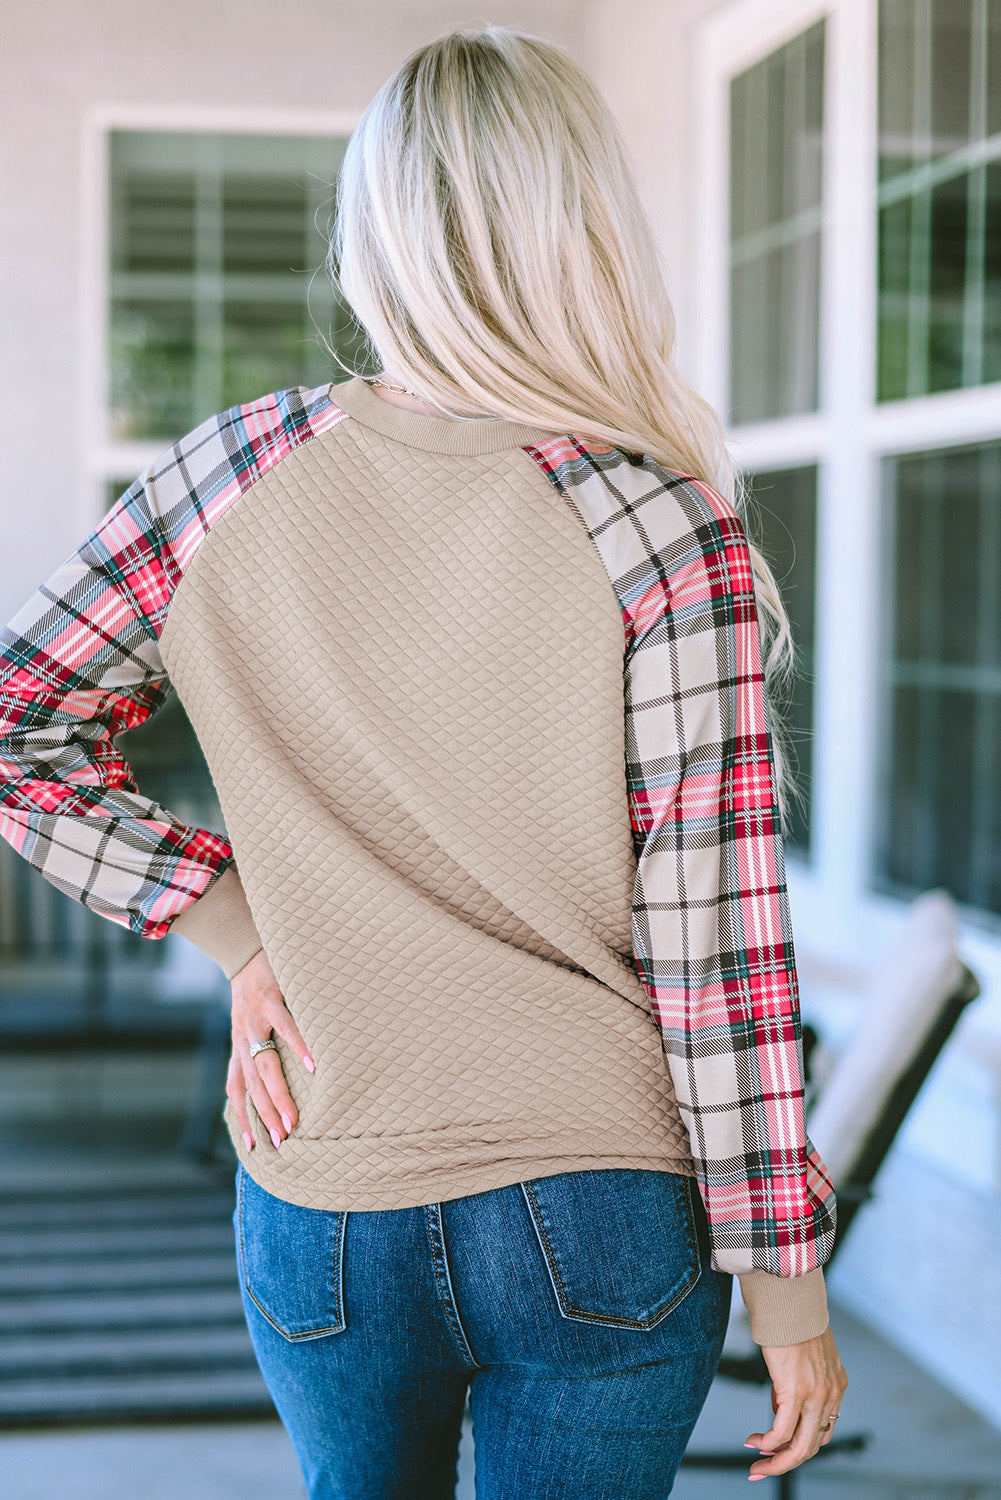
(405, 669)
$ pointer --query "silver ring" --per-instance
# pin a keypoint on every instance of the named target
(268, 1046)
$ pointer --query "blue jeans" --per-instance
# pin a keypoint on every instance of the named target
(580, 1312)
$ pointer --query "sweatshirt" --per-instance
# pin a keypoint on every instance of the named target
(484, 709)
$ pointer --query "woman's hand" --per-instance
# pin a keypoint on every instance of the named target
(259, 1010)
(808, 1382)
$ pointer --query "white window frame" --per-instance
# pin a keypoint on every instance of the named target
(835, 908)
(103, 459)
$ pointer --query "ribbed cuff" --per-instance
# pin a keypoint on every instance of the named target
(785, 1309)
(220, 924)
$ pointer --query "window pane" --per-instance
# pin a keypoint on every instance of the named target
(264, 225)
(932, 799)
(894, 281)
(898, 149)
(114, 489)
(942, 807)
(799, 272)
(267, 347)
(992, 272)
(155, 218)
(926, 105)
(170, 768)
(951, 55)
(754, 339)
(776, 130)
(947, 284)
(215, 248)
(939, 96)
(783, 521)
(153, 367)
(993, 68)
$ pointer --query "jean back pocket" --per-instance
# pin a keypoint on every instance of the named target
(621, 1245)
(291, 1262)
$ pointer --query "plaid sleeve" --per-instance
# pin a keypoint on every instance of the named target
(80, 663)
(711, 929)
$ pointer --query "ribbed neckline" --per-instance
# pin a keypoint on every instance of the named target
(433, 434)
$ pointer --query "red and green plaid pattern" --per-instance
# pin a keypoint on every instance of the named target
(80, 663)
(711, 931)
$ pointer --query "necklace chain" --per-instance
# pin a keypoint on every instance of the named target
(401, 390)
(404, 390)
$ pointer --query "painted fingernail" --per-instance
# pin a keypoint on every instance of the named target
(287, 1122)
(248, 1140)
(276, 1138)
(309, 1064)
(753, 1477)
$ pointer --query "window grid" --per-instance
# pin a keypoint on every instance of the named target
(875, 180)
(216, 240)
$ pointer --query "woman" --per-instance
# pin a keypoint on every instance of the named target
(516, 1083)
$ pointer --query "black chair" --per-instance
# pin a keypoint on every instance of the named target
(910, 1007)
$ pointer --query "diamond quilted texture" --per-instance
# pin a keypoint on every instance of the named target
(405, 670)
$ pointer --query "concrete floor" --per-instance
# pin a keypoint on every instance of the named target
(252, 1461)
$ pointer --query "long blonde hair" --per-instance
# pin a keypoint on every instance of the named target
(490, 241)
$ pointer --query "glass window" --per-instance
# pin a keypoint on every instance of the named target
(943, 700)
(939, 195)
(214, 242)
(776, 127)
(783, 522)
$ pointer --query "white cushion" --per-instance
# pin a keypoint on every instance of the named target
(902, 996)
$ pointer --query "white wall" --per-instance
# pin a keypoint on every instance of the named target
(61, 61)
(641, 54)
